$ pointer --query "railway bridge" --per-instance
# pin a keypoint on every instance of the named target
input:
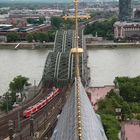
(67, 70)
(59, 71)
(60, 64)
(77, 120)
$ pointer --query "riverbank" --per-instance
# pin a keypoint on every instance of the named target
(24, 45)
(113, 45)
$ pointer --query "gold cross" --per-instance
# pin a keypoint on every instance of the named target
(76, 50)
(76, 17)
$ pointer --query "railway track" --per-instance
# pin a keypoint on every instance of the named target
(14, 114)
(43, 117)
(42, 114)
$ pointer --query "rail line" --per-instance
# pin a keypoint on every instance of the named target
(13, 115)
(46, 114)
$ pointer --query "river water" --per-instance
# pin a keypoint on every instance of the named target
(105, 65)
(29, 63)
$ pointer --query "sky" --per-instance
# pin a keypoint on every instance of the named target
(51, 0)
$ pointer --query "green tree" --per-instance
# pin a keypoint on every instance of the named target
(129, 88)
(41, 36)
(17, 86)
(56, 22)
(13, 37)
(51, 35)
(111, 126)
(6, 104)
(39, 20)
(29, 37)
(103, 28)
(59, 22)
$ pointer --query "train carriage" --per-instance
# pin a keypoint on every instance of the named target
(33, 109)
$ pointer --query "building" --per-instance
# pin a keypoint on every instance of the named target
(27, 13)
(127, 31)
(5, 29)
(3, 18)
(137, 14)
(18, 22)
(125, 10)
(3, 38)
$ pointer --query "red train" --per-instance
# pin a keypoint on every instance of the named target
(33, 109)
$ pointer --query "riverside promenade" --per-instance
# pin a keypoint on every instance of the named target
(26, 45)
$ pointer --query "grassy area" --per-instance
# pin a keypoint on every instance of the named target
(7, 46)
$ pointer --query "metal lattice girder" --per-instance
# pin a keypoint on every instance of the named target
(64, 40)
(50, 66)
(69, 40)
(80, 38)
(59, 41)
(73, 66)
(63, 70)
(60, 64)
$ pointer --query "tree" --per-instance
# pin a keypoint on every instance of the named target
(29, 37)
(129, 88)
(13, 37)
(51, 35)
(103, 28)
(56, 22)
(59, 22)
(111, 126)
(6, 104)
(17, 86)
(36, 20)
(41, 36)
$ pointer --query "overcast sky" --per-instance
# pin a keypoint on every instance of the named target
(52, 0)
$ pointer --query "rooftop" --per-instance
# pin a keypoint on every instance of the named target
(5, 25)
(132, 130)
(118, 23)
(67, 122)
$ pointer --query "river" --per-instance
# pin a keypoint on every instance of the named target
(28, 63)
(105, 65)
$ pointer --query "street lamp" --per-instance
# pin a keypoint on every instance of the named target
(117, 91)
(118, 113)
